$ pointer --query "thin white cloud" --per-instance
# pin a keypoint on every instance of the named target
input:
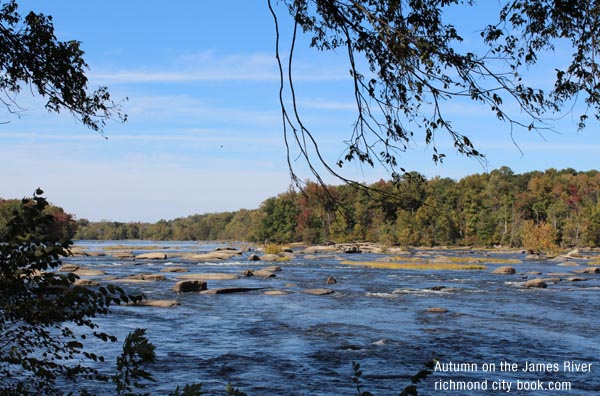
(208, 66)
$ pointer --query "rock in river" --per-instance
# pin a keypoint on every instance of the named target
(437, 310)
(208, 276)
(174, 269)
(319, 292)
(263, 273)
(151, 256)
(539, 283)
(270, 257)
(155, 303)
(589, 270)
(230, 290)
(505, 270)
(187, 286)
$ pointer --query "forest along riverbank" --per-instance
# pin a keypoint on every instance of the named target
(292, 322)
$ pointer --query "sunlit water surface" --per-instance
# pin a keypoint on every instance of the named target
(301, 344)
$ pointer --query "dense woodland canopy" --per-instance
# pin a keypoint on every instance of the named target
(495, 208)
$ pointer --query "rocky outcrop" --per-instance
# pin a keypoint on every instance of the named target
(437, 310)
(264, 273)
(123, 255)
(319, 292)
(68, 268)
(174, 269)
(276, 293)
(151, 256)
(320, 249)
(270, 257)
(589, 270)
(576, 279)
(219, 255)
(77, 251)
(533, 283)
(137, 278)
(230, 290)
(506, 270)
(155, 303)
(208, 276)
(85, 282)
(188, 286)
(88, 272)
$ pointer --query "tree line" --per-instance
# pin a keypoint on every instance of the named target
(497, 208)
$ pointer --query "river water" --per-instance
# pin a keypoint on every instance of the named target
(301, 344)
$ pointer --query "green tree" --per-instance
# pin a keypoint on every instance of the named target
(39, 349)
(33, 57)
(280, 219)
(63, 227)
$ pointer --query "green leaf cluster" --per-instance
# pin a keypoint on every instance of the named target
(39, 350)
(33, 57)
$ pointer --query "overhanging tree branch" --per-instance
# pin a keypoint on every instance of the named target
(415, 66)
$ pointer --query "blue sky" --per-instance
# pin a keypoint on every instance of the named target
(204, 131)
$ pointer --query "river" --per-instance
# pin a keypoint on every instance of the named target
(301, 344)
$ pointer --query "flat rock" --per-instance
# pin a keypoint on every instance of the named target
(230, 290)
(589, 270)
(155, 303)
(320, 249)
(77, 251)
(212, 256)
(576, 279)
(68, 268)
(506, 270)
(174, 269)
(123, 255)
(276, 293)
(148, 277)
(437, 310)
(86, 282)
(151, 256)
(89, 272)
(319, 292)
(273, 268)
(270, 257)
(208, 276)
(263, 273)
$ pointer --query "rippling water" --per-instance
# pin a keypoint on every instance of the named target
(300, 344)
